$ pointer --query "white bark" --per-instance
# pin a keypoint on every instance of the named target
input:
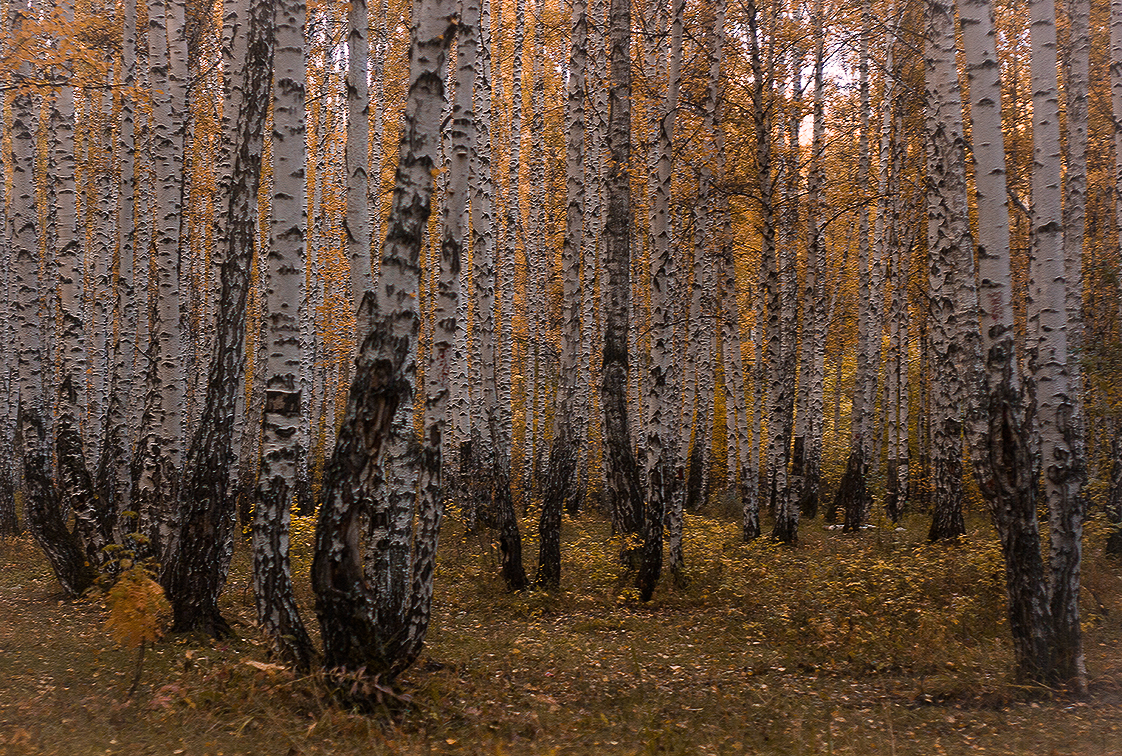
(1049, 359)
(166, 391)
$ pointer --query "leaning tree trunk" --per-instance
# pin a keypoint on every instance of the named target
(364, 623)
(195, 573)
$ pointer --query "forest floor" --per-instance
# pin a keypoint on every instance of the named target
(875, 643)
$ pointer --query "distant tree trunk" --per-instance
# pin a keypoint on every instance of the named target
(195, 572)
(787, 479)
(1057, 416)
(379, 625)
(948, 242)
(811, 408)
(357, 220)
(853, 494)
(41, 504)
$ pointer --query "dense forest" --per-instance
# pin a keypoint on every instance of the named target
(527, 262)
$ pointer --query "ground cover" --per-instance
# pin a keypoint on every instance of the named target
(874, 643)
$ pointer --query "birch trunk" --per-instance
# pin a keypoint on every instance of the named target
(630, 518)
(42, 508)
(664, 383)
(165, 391)
(195, 573)
(364, 623)
(485, 424)
(9, 520)
(775, 466)
(357, 222)
(999, 443)
(114, 475)
(853, 493)
(561, 482)
(948, 241)
(811, 407)
(284, 300)
(501, 462)
(1049, 359)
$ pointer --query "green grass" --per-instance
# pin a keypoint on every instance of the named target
(869, 644)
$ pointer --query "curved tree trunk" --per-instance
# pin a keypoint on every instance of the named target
(365, 624)
(195, 573)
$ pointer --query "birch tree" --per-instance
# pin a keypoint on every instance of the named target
(280, 438)
(364, 623)
(42, 508)
(998, 429)
(664, 382)
(631, 516)
(561, 481)
(949, 242)
(165, 389)
(195, 570)
(1056, 418)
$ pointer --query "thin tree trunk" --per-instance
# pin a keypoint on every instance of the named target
(630, 518)
(561, 481)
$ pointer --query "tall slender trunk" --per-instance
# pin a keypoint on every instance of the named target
(1060, 450)
(853, 494)
(9, 521)
(997, 429)
(630, 518)
(357, 222)
(165, 392)
(284, 300)
(663, 462)
(561, 481)
(810, 398)
(949, 242)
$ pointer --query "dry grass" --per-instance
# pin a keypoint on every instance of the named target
(869, 644)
